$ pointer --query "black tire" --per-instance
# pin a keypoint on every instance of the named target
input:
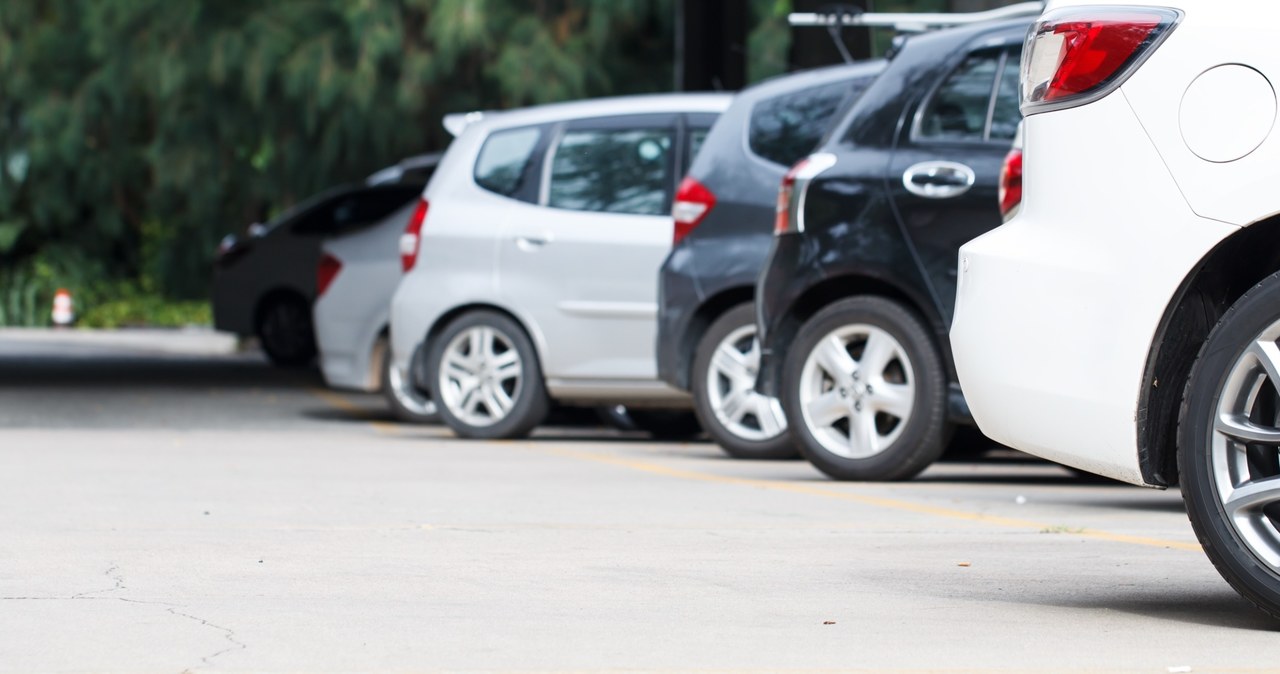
(284, 329)
(915, 440)
(1212, 392)
(735, 439)
(407, 402)
(666, 424)
(529, 403)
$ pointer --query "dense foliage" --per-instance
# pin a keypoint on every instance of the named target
(135, 133)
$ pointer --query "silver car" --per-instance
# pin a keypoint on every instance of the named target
(532, 274)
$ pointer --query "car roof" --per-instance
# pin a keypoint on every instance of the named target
(714, 103)
(804, 79)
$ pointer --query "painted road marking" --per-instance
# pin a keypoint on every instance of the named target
(865, 499)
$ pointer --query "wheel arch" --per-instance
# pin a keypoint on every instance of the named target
(1217, 281)
(443, 321)
(849, 285)
(707, 313)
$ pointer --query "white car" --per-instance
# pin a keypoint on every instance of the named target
(532, 275)
(356, 276)
(1127, 320)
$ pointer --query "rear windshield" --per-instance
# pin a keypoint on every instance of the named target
(785, 129)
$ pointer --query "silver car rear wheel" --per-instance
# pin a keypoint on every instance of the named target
(486, 377)
(480, 376)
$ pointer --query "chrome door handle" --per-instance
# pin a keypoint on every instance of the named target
(938, 179)
(530, 244)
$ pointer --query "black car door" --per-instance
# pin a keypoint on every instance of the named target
(945, 169)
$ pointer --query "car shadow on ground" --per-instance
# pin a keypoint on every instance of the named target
(149, 371)
(1211, 608)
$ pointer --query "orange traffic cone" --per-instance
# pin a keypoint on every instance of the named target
(64, 312)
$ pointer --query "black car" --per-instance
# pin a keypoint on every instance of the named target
(265, 281)
(855, 301)
(724, 214)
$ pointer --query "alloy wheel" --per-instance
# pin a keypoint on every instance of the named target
(1244, 452)
(857, 391)
(481, 375)
(731, 382)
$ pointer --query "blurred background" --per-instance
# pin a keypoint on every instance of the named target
(134, 134)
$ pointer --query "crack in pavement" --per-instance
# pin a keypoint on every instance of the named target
(114, 574)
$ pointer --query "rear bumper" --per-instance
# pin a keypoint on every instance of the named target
(678, 301)
(779, 287)
(1056, 310)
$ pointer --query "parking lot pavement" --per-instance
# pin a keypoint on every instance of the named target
(209, 513)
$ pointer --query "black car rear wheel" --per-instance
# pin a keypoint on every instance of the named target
(285, 332)
(745, 423)
(864, 391)
(1229, 446)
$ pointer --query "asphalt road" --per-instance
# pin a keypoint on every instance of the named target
(186, 509)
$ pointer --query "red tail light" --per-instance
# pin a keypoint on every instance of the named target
(692, 204)
(782, 210)
(1011, 181)
(326, 272)
(411, 240)
(798, 178)
(1077, 54)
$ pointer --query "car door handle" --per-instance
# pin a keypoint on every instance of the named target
(531, 244)
(938, 179)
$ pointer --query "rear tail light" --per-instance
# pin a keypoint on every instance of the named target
(1079, 54)
(326, 272)
(797, 180)
(692, 204)
(1011, 182)
(411, 240)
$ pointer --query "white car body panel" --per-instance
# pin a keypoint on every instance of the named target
(353, 312)
(583, 284)
(1061, 376)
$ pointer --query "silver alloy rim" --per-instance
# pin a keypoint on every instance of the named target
(857, 390)
(480, 376)
(408, 397)
(1245, 449)
(731, 389)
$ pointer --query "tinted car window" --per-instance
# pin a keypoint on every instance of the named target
(353, 209)
(785, 129)
(1005, 114)
(612, 171)
(504, 159)
(958, 109)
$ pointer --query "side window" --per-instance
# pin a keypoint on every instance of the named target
(785, 129)
(958, 109)
(504, 160)
(1005, 114)
(612, 171)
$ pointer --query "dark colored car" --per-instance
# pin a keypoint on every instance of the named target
(857, 296)
(265, 281)
(724, 214)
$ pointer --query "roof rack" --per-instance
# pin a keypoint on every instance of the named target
(907, 22)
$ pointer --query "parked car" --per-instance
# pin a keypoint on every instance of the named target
(855, 300)
(265, 281)
(1126, 321)
(531, 276)
(355, 278)
(724, 213)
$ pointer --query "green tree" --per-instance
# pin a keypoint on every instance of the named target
(134, 133)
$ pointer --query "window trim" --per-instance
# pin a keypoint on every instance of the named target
(916, 137)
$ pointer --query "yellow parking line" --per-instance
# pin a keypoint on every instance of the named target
(345, 405)
(865, 499)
